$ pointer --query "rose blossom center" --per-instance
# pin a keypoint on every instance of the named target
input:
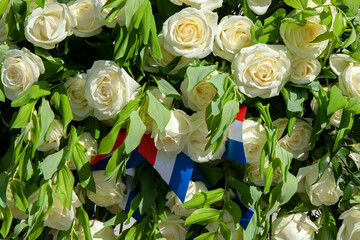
(47, 25)
(189, 30)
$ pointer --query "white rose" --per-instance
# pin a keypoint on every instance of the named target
(190, 33)
(53, 137)
(253, 172)
(200, 4)
(259, 7)
(174, 203)
(75, 89)
(101, 232)
(88, 18)
(295, 226)
(173, 229)
(298, 143)
(348, 71)
(90, 145)
(46, 27)
(200, 96)
(60, 217)
(324, 191)
(107, 192)
(254, 139)
(172, 140)
(151, 64)
(261, 70)
(19, 71)
(304, 70)
(233, 33)
(229, 221)
(350, 228)
(299, 38)
(109, 88)
(198, 139)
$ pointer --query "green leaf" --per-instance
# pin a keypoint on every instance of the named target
(203, 216)
(347, 121)
(37, 90)
(268, 32)
(230, 109)
(4, 179)
(298, 4)
(329, 229)
(147, 195)
(117, 219)
(285, 158)
(23, 115)
(158, 112)
(83, 218)
(338, 25)
(249, 194)
(207, 236)
(348, 192)
(108, 141)
(3, 47)
(322, 37)
(197, 74)
(83, 168)
(350, 39)
(212, 175)
(136, 130)
(304, 206)
(61, 102)
(50, 164)
(166, 88)
(6, 223)
(133, 206)
(46, 119)
(225, 231)
(17, 191)
(131, 7)
(41, 3)
(64, 187)
(3, 6)
(112, 4)
(234, 210)
(46, 54)
(205, 199)
(336, 100)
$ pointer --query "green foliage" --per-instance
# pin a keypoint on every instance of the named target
(37, 90)
(204, 199)
(203, 216)
(158, 112)
(269, 31)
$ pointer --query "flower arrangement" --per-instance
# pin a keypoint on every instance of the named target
(118, 119)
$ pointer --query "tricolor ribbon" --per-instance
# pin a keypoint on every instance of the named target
(177, 170)
(234, 146)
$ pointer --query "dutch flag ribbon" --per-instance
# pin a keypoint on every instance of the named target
(234, 145)
(177, 170)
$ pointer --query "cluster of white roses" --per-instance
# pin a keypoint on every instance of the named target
(259, 71)
(48, 26)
